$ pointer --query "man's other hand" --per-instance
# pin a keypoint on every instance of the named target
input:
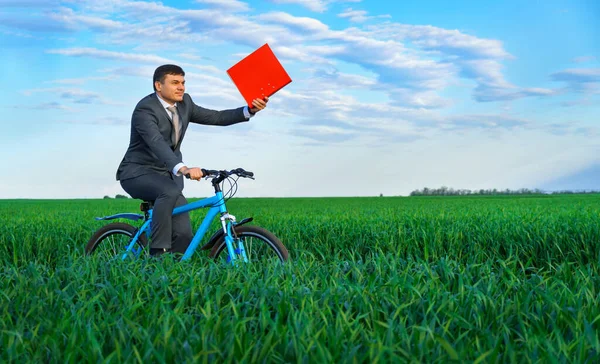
(258, 104)
(195, 173)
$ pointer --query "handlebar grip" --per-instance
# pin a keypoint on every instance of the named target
(187, 175)
(242, 172)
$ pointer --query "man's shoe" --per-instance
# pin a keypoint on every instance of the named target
(155, 252)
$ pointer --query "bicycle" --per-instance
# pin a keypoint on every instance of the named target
(236, 237)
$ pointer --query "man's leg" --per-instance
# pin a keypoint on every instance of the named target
(165, 193)
(182, 228)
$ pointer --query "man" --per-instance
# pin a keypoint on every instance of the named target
(153, 169)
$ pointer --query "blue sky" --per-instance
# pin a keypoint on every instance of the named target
(387, 97)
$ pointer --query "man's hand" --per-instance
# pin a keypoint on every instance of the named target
(258, 104)
(195, 173)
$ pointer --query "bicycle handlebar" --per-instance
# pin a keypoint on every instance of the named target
(222, 174)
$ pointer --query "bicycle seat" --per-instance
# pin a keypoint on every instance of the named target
(146, 206)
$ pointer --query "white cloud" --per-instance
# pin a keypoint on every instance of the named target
(81, 80)
(99, 53)
(314, 5)
(584, 59)
(318, 6)
(359, 16)
(70, 18)
(471, 57)
(302, 24)
(425, 99)
(18, 34)
(486, 121)
(571, 128)
(46, 106)
(136, 71)
(580, 75)
(585, 101)
(28, 3)
(226, 5)
(448, 41)
(73, 95)
(584, 80)
(492, 86)
(189, 56)
(333, 79)
(142, 7)
(128, 57)
(309, 55)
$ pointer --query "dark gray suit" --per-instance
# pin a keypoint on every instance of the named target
(146, 169)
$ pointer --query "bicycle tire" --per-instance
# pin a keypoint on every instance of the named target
(256, 232)
(108, 231)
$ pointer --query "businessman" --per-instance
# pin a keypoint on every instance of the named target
(153, 169)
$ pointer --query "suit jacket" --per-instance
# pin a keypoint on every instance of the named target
(150, 145)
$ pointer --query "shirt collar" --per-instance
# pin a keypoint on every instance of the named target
(163, 102)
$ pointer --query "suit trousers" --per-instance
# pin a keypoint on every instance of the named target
(170, 232)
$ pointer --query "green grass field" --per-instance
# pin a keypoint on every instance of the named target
(425, 279)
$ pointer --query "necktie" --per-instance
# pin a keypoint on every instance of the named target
(175, 120)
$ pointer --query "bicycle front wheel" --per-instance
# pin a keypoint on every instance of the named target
(112, 240)
(259, 244)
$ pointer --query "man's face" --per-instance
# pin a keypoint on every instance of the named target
(171, 89)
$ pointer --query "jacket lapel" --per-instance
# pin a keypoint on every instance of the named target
(183, 119)
(167, 118)
(160, 107)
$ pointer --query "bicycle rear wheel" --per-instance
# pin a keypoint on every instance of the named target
(260, 245)
(112, 240)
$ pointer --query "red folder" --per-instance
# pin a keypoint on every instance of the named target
(259, 74)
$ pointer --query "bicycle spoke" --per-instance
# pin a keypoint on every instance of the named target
(113, 245)
(259, 247)
(111, 241)
(256, 249)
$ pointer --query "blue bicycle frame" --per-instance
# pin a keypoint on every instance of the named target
(217, 206)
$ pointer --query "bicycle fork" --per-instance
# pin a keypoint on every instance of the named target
(228, 223)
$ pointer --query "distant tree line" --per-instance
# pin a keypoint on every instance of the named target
(572, 192)
(449, 191)
(117, 196)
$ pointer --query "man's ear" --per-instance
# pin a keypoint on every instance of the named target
(157, 85)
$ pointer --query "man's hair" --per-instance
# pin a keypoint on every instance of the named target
(166, 69)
